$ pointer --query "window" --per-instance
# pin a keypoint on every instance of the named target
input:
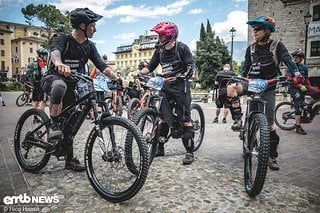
(2, 53)
(2, 41)
(16, 49)
(315, 48)
(3, 65)
(31, 50)
(30, 60)
(316, 13)
(1, 33)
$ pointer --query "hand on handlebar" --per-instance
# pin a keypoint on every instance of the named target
(63, 69)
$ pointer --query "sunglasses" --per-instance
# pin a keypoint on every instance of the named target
(258, 28)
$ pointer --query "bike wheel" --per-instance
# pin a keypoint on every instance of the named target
(285, 116)
(30, 146)
(256, 154)
(145, 119)
(117, 168)
(198, 123)
(133, 107)
(22, 99)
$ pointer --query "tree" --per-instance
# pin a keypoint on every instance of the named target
(53, 19)
(211, 55)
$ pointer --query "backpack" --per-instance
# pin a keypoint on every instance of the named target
(273, 50)
(33, 72)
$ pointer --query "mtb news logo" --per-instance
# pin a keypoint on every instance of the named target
(26, 199)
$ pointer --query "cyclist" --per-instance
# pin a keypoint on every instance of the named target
(71, 53)
(174, 57)
(221, 83)
(35, 72)
(300, 87)
(259, 63)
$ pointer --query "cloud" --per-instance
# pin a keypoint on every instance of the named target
(236, 19)
(99, 41)
(125, 36)
(126, 13)
(193, 44)
(195, 11)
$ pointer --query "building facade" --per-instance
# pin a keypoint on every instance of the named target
(291, 28)
(18, 47)
(128, 57)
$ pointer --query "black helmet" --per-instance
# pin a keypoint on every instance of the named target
(298, 52)
(104, 57)
(83, 15)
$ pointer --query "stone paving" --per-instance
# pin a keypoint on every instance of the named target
(213, 183)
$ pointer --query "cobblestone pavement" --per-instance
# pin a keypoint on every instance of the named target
(213, 183)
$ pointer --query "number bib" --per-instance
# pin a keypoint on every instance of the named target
(257, 85)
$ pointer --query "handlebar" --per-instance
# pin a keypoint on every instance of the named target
(281, 79)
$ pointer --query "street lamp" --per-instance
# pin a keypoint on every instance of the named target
(307, 19)
(232, 35)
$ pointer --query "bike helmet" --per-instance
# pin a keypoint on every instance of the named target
(266, 21)
(42, 51)
(83, 15)
(167, 28)
(298, 52)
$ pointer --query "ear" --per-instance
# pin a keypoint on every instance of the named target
(82, 26)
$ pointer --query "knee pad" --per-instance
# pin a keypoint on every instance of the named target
(187, 138)
(58, 90)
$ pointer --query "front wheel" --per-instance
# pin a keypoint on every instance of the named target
(30, 140)
(256, 154)
(117, 163)
(198, 123)
(146, 120)
(22, 99)
(285, 116)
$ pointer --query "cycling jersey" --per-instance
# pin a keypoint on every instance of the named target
(173, 61)
(76, 55)
(262, 64)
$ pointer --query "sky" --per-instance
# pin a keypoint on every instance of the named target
(125, 20)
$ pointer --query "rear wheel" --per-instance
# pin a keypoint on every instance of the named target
(285, 116)
(116, 167)
(198, 123)
(22, 99)
(256, 155)
(30, 140)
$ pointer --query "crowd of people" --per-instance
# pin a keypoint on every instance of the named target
(262, 60)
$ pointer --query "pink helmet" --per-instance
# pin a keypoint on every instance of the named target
(166, 28)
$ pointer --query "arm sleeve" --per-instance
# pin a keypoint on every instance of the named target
(155, 60)
(96, 58)
(283, 54)
(247, 63)
(187, 56)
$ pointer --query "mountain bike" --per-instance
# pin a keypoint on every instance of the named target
(255, 134)
(109, 164)
(25, 98)
(148, 118)
(285, 113)
(136, 104)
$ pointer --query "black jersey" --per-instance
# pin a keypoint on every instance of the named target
(76, 55)
(172, 61)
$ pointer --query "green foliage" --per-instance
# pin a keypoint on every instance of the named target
(11, 86)
(211, 55)
(53, 19)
